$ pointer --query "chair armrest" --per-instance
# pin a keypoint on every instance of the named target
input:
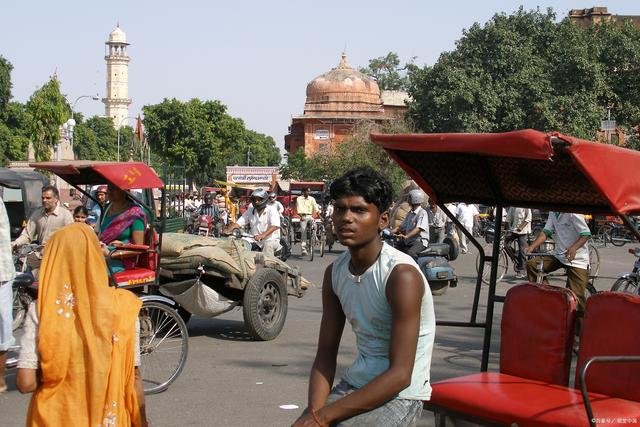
(131, 247)
(583, 376)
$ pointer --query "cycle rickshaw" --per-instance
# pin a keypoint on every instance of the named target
(163, 332)
(559, 173)
(316, 237)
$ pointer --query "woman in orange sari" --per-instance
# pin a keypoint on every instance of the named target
(85, 339)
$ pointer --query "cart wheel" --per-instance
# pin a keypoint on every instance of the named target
(164, 344)
(264, 304)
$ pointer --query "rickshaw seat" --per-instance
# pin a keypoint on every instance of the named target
(144, 273)
(526, 392)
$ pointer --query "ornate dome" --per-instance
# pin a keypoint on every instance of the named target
(117, 36)
(343, 91)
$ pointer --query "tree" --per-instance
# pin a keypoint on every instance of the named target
(526, 71)
(5, 83)
(388, 72)
(357, 150)
(48, 110)
(201, 136)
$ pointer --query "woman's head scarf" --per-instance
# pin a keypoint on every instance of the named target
(85, 339)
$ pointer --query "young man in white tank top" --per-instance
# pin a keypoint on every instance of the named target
(387, 300)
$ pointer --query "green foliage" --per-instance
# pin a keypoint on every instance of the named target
(5, 83)
(48, 110)
(201, 136)
(388, 72)
(355, 151)
(526, 71)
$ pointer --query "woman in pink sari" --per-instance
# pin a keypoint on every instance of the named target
(121, 222)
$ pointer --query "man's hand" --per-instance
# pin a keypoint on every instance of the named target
(570, 255)
(258, 237)
(308, 420)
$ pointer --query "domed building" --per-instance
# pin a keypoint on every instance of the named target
(336, 101)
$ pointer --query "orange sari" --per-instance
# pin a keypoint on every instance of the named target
(85, 340)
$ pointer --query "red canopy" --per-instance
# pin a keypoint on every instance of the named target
(521, 168)
(124, 175)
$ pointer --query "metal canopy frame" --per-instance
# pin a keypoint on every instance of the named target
(523, 168)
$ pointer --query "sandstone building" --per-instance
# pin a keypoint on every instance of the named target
(336, 101)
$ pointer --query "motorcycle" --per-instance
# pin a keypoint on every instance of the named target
(282, 253)
(434, 262)
(205, 226)
(628, 282)
(24, 286)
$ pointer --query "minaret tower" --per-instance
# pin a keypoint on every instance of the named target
(116, 102)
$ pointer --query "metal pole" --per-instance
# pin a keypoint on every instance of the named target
(118, 158)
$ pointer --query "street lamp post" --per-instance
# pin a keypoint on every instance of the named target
(119, 126)
(68, 127)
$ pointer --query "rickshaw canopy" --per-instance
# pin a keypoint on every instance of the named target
(524, 168)
(124, 175)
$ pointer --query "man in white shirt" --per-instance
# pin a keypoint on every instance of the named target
(437, 222)
(275, 203)
(519, 226)
(466, 214)
(570, 232)
(263, 221)
(414, 230)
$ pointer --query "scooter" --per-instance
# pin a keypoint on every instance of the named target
(434, 262)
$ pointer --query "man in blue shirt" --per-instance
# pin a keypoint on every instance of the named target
(414, 230)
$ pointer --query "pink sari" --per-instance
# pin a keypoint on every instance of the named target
(119, 224)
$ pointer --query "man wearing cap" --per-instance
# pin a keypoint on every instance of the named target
(414, 230)
(96, 210)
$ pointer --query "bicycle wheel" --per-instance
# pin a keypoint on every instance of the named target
(594, 260)
(618, 237)
(603, 235)
(503, 265)
(164, 344)
(322, 238)
(21, 301)
(626, 284)
(312, 243)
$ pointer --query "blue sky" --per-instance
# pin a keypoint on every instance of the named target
(256, 57)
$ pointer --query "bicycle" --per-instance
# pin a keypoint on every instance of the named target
(629, 282)
(541, 275)
(510, 252)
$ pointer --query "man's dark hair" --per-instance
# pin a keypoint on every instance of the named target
(365, 182)
(53, 189)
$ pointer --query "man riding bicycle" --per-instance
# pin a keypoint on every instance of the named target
(306, 206)
(570, 232)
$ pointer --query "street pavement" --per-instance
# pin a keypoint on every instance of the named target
(230, 380)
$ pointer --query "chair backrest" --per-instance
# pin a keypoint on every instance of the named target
(149, 259)
(537, 333)
(611, 327)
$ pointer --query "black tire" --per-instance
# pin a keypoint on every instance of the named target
(594, 260)
(438, 288)
(323, 242)
(454, 247)
(312, 243)
(285, 252)
(603, 235)
(503, 266)
(21, 301)
(618, 237)
(164, 345)
(627, 285)
(264, 304)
